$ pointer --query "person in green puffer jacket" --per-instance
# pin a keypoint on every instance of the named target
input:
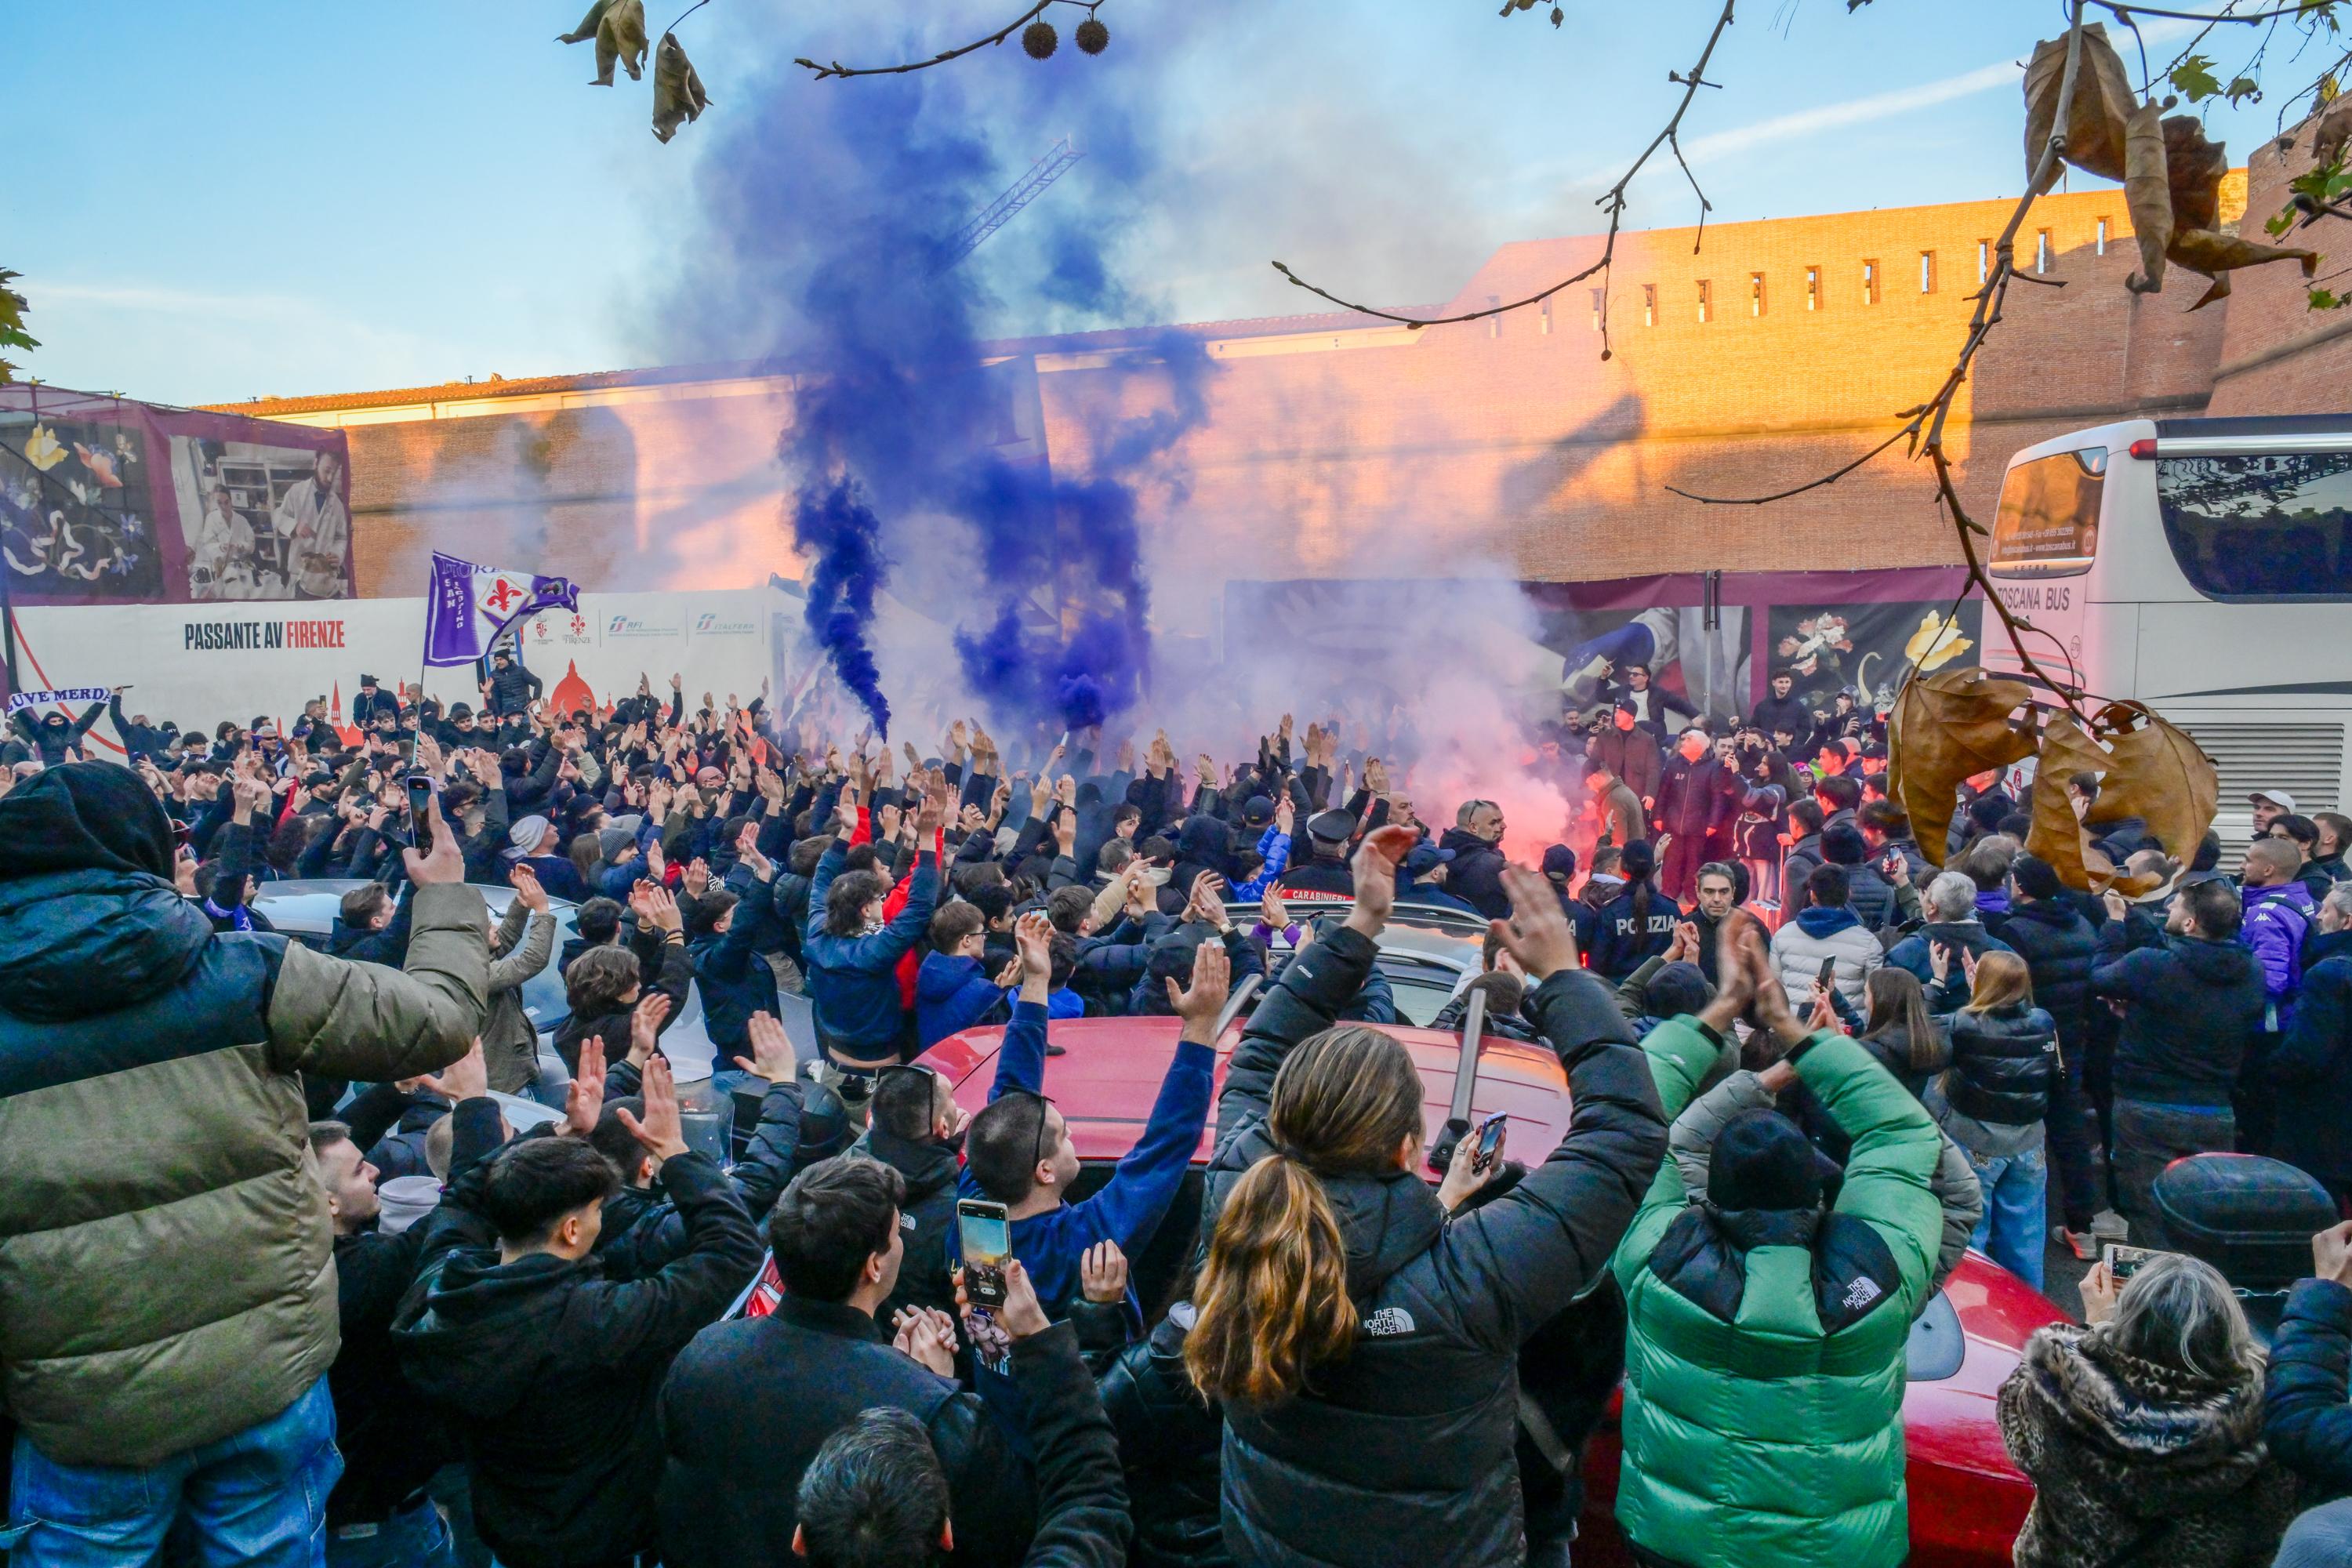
(1764, 1357)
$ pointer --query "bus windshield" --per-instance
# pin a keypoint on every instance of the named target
(2262, 526)
(2048, 524)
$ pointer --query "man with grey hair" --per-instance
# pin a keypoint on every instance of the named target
(2313, 1067)
(1476, 873)
(1950, 906)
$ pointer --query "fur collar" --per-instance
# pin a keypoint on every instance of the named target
(2170, 1440)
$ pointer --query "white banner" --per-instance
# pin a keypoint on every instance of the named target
(198, 665)
(70, 695)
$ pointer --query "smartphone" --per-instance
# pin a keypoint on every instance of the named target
(1490, 1141)
(1829, 971)
(985, 1235)
(2123, 1262)
(420, 811)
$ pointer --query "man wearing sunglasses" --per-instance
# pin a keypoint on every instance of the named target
(1020, 1152)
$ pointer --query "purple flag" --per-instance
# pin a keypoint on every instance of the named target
(468, 606)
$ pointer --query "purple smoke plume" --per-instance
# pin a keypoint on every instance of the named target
(835, 526)
(916, 447)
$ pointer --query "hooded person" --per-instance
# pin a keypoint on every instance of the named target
(54, 738)
(152, 1129)
(1768, 1324)
(1826, 935)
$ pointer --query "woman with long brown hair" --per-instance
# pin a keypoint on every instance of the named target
(1361, 1338)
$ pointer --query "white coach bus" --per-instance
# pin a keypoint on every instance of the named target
(2203, 567)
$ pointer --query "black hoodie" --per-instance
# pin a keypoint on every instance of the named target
(548, 1371)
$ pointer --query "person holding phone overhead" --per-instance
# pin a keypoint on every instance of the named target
(1827, 942)
(1019, 1151)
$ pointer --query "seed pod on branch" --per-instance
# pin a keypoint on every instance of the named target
(2102, 101)
(1091, 36)
(1039, 40)
(1945, 728)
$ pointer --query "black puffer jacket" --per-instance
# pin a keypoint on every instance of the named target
(1169, 1438)
(1475, 874)
(1402, 1452)
(2003, 1063)
(2059, 947)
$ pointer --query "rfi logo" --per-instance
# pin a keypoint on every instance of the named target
(704, 621)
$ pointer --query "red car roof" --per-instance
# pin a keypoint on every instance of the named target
(1105, 1085)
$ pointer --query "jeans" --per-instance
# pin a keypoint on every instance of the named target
(416, 1537)
(2016, 1190)
(258, 1497)
(2149, 1137)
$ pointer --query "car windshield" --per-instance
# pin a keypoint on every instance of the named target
(1420, 990)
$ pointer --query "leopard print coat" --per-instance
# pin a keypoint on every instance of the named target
(2133, 1463)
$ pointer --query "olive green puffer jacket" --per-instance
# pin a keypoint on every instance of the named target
(1755, 1434)
(166, 1272)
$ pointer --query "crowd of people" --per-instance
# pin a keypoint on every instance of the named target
(282, 1280)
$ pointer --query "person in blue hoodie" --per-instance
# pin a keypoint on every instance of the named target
(953, 990)
(852, 954)
(1019, 1151)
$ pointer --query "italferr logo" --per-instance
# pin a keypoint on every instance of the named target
(709, 624)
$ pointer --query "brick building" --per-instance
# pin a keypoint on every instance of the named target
(1343, 446)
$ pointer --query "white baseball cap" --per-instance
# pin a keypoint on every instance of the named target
(2277, 798)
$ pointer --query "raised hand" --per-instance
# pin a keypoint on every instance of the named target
(1200, 1003)
(527, 888)
(1538, 933)
(661, 909)
(926, 1335)
(660, 1130)
(1102, 1273)
(772, 1055)
(1375, 870)
(467, 1078)
(444, 862)
(1033, 936)
(584, 1101)
(645, 1025)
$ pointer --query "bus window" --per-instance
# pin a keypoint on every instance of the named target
(2269, 526)
(2048, 522)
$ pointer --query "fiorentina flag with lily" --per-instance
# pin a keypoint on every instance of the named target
(468, 607)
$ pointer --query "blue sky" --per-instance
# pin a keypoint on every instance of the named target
(210, 203)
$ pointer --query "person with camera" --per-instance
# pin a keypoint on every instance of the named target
(748, 1404)
(877, 1491)
(2142, 1429)
(1764, 1363)
(1363, 1345)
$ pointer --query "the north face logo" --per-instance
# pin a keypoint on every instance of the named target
(1388, 1322)
(1861, 1293)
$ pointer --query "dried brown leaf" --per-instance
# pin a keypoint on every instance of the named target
(2334, 129)
(1945, 728)
(2201, 251)
(2102, 101)
(2194, 166)
(2147, 193)
(2148, 769)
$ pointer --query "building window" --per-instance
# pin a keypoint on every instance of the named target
(1927, 272)
(1649, 304)
(1869, 282)
(1756, 293)
(1812, 288)
(2102, 241)
(2041, 250)
(1705, 301)
(1600, 307)
(1984, 261)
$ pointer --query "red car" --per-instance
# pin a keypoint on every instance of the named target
(1967, 1499)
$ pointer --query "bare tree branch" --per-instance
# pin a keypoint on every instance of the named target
(837, 69)
(1614, 199)
(1926, 421)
